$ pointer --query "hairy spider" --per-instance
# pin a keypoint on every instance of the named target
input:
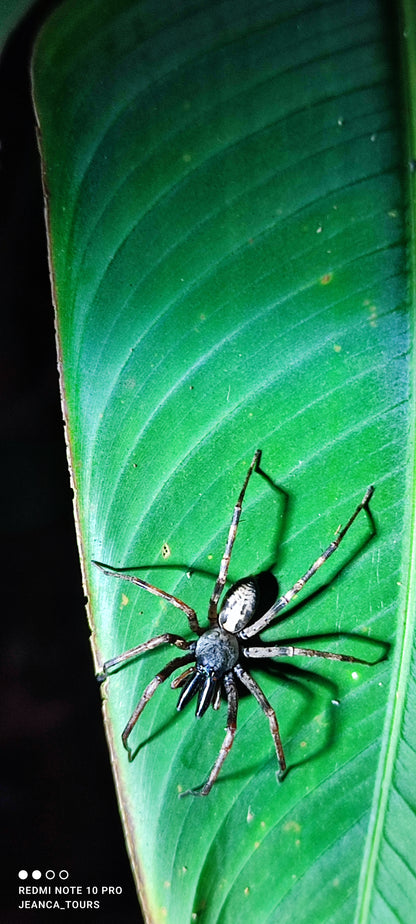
(220, 649)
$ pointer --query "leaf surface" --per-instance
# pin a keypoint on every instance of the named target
(226, 208)
(11, 11)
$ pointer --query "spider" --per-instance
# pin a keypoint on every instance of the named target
(220, 652)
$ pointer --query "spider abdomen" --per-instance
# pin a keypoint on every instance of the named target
(239, 606)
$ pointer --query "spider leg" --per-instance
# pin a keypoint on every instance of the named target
(148, 693)
(222, 576)
(168, 638)
(189, 612)
(267, 618)
(269, 712)
(288, 651)
(232, 700)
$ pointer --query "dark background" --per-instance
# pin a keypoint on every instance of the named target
(58, 806)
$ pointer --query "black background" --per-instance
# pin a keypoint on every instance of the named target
(58, 806)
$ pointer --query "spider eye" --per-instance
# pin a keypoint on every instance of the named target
(239, 606)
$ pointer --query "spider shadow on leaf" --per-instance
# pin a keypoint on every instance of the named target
(309, 687)
(286, 497)
(273, 564)
(302, 682)
(301, 676)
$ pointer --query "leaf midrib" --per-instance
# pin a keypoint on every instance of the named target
(407, 611)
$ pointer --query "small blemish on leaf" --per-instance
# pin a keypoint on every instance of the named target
(292, 826)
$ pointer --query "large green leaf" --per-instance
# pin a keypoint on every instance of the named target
(226, 208)
(11, 11)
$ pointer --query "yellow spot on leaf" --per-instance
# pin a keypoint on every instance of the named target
(326, 279)
(292, 826)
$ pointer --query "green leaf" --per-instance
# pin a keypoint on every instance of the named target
(11, 11)
(226, 206)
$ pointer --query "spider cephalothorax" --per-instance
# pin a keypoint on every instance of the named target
(221, 651)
